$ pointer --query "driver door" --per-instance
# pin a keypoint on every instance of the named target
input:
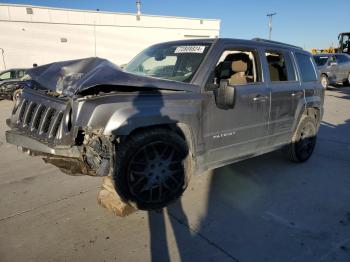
(232, 133)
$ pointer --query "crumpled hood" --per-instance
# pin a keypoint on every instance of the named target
(74, 76)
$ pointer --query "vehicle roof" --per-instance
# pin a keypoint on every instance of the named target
(255, 41)
(330, 54)
(325, 54)
(13, 69)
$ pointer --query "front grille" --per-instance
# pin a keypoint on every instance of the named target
(47, 120)
(40, 120)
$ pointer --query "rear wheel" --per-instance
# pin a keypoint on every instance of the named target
(324, 81)
(304, 140)
(347, 81)
(152, 168)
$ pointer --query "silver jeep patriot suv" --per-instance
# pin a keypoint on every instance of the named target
(178, 108)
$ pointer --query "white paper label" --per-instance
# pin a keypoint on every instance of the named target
(190, 49)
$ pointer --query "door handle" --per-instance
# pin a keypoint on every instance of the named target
(260, 98)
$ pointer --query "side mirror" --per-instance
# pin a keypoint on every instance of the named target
(225, 95)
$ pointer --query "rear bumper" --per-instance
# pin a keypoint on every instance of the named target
(17, 138)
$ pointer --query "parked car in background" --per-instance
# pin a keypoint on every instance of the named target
(9, 83)
(334, 69)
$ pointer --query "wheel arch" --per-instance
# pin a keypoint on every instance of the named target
(181, 129)
(310, 110)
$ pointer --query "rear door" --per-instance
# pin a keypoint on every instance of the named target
(333, 70)
(342, 67)
(286, 93)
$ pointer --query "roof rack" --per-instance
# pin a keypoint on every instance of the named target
(275, 42)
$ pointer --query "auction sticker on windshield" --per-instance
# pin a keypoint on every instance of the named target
(190, 49)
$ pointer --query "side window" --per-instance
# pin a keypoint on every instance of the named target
(13, 75)
(280, 66)
(5, 76)
(239, 67)
(306, 67)
(20, 73)
(341, 59)
(332, 59)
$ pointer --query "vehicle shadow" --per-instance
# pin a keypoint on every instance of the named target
(262, 209)
(158, 235)
(341, 90)
(259, 209)
(151, 102)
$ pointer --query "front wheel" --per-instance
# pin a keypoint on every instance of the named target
(152, 168)
(304, 140)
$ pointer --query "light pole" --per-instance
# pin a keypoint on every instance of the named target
(3, 57)
(270, 15)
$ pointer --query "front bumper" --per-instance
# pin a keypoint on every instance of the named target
(20, 139)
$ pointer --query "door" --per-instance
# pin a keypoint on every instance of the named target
(342, 67)
(286, 94)
(332, 70)
(241, 130)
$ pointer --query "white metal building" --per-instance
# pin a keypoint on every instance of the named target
(33, 34)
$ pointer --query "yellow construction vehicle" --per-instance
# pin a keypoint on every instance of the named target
(322, 51)
(344, 45)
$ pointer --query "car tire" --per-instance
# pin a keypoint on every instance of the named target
(347, 81)
(303, 141)
(325, 81)
(152, 168)
(16, 95)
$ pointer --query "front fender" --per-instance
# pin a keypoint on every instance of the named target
(125, 120)
(184, 118)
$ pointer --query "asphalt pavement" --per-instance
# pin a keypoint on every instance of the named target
(262, 209)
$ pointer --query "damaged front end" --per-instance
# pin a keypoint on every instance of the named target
(69, 111)
(41, 125)
(94, 160)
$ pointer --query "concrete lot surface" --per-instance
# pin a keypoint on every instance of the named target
(263, 209)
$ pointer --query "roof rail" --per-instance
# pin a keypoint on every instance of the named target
(275, 42)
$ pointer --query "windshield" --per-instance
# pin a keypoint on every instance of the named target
(321, 60)
(172, 62)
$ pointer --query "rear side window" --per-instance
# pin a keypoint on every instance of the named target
(342, 59)
(306, 67)
(280, 66)
(20, 73)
